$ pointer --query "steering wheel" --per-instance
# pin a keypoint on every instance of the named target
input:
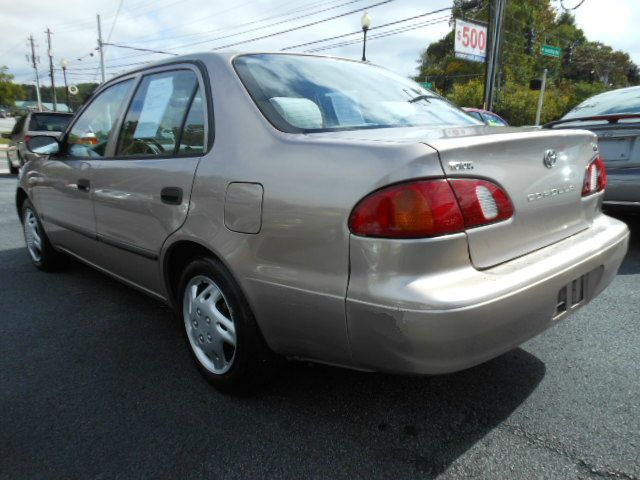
(147, 146)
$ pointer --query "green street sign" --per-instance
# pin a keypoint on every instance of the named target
(551, 51)
(428, 85)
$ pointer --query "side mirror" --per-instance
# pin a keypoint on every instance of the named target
(43, 145)
(6, 135)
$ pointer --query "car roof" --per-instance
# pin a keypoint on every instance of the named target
(227, 55)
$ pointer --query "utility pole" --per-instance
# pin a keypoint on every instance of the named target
(496, 17)
(100, 48)
(34, 63)
(541, 97)
(53, 81)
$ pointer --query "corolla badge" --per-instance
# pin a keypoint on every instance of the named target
(550, 158)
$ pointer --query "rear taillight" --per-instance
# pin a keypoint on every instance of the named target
(429, 208)
(481, 202)
(26, 138)
(425, 208)
(595, 178)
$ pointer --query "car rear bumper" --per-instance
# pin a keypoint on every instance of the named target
(452, 320)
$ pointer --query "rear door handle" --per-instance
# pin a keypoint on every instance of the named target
(171, 195)
(83, 185)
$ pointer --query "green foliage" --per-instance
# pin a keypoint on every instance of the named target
(592, 67)
(9, 91)
(517, 104)
(85, 90)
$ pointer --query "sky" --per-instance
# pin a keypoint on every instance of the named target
(183, 26)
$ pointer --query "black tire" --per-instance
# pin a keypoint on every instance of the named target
(49, 259)
(12, 170)
(253, 363)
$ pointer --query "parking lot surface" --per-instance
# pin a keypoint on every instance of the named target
(96, 382)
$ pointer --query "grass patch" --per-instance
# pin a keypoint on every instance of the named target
(4, 141)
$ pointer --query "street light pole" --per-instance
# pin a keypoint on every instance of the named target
(541, 97)
(366, 23)
(64, 64)
(101, 48)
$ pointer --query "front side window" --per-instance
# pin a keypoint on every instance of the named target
(153, 124)
(305, 94)
(89, 135)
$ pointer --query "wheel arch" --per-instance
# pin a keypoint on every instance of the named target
(176, 257)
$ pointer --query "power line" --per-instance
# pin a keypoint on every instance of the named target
(139, 49)
(113, 25)
(292, 29)
(236, 26)
(388, 33)
(306, 7)
(281, 22)
(360, 31)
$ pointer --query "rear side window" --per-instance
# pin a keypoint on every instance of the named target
(153, 124)
(493, 120)
(475, 114)
(89, 135)
(45, 122)
(192, 140)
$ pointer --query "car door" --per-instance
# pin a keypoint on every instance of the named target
(142, 188)
(63, 188)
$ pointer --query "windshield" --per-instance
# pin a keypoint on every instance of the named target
(306, 94)
(48, 122)
(626, 100)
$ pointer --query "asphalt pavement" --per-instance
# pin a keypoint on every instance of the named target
(96, 382)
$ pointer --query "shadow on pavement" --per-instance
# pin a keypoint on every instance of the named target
(97, 381)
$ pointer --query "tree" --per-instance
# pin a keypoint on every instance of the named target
(9, 91)
(529, 24)
(85, 90)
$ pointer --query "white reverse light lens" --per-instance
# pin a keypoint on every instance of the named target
(487, 203)
(594, 178)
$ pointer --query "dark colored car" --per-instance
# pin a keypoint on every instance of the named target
(615, 117)
(27, 126)
(486, 117)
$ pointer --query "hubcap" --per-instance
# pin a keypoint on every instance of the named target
(209, 324)
(32, 235)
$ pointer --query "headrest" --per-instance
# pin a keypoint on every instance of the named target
(299, 112)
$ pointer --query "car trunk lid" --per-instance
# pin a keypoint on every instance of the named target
(546, 196)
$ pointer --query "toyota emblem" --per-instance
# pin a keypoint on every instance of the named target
(550, 158)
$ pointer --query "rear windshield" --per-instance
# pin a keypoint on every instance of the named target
(311, 94)
(46, 122)
(626, 100)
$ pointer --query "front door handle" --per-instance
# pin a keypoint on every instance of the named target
(83, 185)
(171, 195)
